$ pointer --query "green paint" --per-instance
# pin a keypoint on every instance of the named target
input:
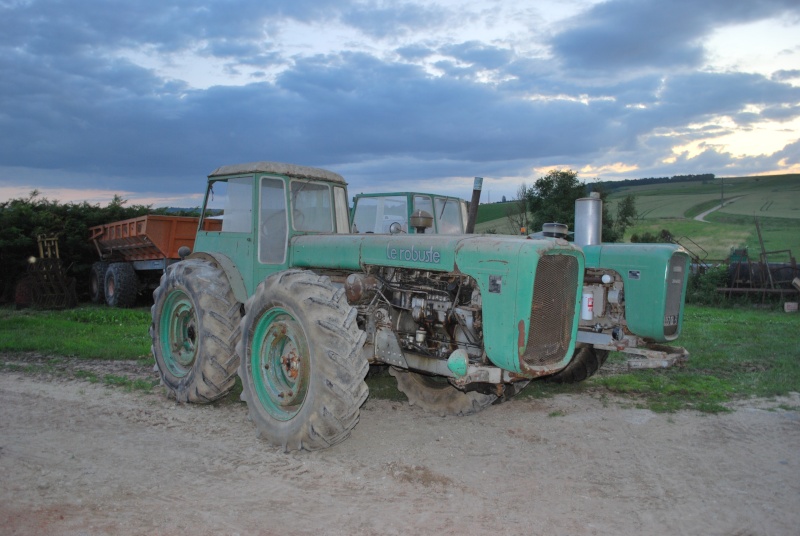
(280, 364)
(458, 363)
(501, 267)
(644, 269)
(178, 333)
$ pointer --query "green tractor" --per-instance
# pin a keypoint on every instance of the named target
(287, 297)
(632, 297)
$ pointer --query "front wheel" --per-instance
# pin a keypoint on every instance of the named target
(195, 330)
(435, 394)
(586, 361)
(301, 365)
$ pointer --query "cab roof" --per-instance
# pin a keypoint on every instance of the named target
(278, 168)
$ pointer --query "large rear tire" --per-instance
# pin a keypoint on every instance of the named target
(97, 278)
(435, 394)
(195, 331)
(121, 285)
(586, 361)
(301, 365)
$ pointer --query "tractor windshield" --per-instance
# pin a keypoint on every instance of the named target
(377, 214)
(449, 216)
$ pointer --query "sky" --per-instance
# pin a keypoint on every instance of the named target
(144, 98)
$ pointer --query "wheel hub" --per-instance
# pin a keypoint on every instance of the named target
(280, 353)
(179, 334)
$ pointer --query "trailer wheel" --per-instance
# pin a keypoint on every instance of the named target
(195, 330)
(435, 394)
(121, 285)
(586, 361)
(97, 282)
(301, 365)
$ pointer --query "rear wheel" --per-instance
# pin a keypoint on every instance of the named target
(586, 361)
(121, 285)
(435, 394)
(97, 282)
(301, 365)
(195, 330)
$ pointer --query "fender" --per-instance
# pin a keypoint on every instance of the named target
(231, 272)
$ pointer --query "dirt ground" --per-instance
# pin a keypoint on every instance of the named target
(78, 458)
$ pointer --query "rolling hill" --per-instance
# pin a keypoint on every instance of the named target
(773, 200)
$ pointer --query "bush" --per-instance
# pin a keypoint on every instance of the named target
(664, 237)
(23, 220)
(702, 289)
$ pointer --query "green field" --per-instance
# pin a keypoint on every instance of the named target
(773, 200)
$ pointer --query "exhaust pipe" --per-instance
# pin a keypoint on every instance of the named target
(588, 220)
(473, 205)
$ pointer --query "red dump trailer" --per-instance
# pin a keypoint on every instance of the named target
(135, 252)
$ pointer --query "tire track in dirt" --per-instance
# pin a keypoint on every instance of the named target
(82, 458)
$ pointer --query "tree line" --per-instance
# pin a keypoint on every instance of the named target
(551, 199)
(614, 185)
(23, 220)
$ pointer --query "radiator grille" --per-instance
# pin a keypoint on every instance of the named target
(675, 281)
(552, 310)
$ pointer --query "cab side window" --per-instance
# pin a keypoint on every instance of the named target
(272, 229)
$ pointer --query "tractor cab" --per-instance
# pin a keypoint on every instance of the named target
(408, 212)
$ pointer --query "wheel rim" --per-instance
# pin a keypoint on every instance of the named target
(280, 365)
(178, 332)
(110, 287)
(95, 284)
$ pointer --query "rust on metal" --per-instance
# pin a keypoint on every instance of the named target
(521, 337)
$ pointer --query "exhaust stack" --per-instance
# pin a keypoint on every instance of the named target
(588, 220)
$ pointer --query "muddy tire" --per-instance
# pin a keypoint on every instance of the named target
(435, 394)
(586, 361)
(511, 390)
(195, 330)
(301, 365)
(120, 285)
(97, 277)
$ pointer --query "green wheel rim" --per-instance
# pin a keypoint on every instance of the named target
(280, 365)
(179, 333)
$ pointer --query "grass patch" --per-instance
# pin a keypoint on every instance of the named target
(128, 384)
(87, 375)
(778, 233)
(666, 392)
(382, 385)
(709, 240)
(736, 353)
(495, 211)
(56, 367)
(90, 332)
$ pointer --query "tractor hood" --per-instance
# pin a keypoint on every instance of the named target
(505, 269)
(443, 253)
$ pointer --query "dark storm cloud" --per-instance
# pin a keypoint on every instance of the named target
(699, 96)
(69, 101)
(621, 35)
